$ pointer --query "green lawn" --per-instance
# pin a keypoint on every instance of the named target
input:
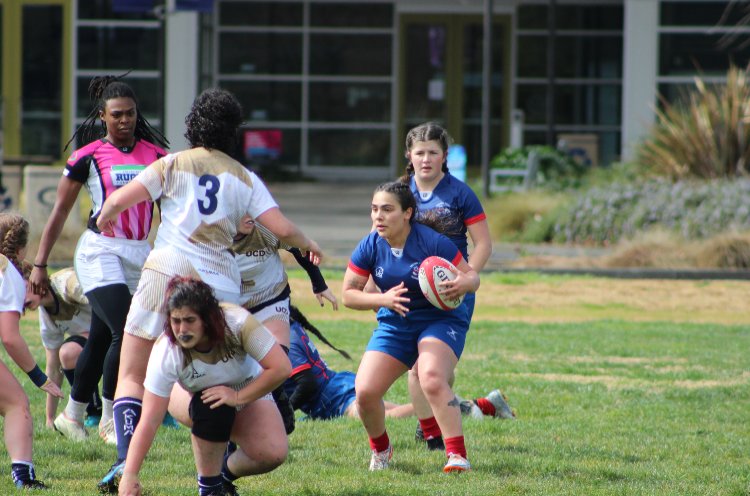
(606, 407)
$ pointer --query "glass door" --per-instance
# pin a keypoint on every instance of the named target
(441, 78)
(35, 57)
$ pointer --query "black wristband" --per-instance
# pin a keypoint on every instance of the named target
(37, 376)
(40, 266)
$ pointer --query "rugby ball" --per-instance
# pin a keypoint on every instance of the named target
(434, 270)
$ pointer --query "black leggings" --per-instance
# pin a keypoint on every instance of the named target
(101, 355)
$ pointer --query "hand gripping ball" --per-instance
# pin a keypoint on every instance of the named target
(432, 271)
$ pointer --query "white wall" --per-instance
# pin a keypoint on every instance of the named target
(181, 74)
(640, 65)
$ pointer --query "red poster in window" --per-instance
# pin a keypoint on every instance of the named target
(262, 144)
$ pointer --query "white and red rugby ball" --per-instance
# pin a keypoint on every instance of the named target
(434, 270)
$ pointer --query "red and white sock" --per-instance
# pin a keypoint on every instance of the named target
(486, 407)
(380, 443)
(455, 446)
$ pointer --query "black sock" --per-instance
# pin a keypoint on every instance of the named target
(208, 483)
(226, 473)
(22, 471)
(69, 375)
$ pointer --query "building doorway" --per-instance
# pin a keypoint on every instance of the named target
(34, 56)
(441, 78)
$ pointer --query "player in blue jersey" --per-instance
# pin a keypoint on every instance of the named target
(410, 330)
(438, 194)
(323, 393)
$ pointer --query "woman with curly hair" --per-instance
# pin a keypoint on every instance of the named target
(214, 368)
(14, 404)
(107, 264)
(204, 195)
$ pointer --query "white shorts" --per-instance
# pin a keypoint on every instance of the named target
(148, 311)
(103, 261)
(275, 311)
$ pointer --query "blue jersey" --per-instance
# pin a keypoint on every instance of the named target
(335, 389)
(454, 200)
(304, 356)
(373, 256)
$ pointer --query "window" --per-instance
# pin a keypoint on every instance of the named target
(114, 43)
(699, 38)
(587, 72)
(320, 72)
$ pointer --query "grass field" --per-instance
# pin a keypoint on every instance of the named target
(621, 387)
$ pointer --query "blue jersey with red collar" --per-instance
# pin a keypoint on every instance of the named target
(373, 256)
(454, 200)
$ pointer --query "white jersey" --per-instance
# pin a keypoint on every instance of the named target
(12, 287)
(204, 194)
(261, 269)
(70, 314)
(167, 363)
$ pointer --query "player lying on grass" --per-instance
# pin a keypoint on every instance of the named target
(322, 393)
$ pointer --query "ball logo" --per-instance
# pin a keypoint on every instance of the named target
(432, 272)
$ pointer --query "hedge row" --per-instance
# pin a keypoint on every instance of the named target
(696, 210)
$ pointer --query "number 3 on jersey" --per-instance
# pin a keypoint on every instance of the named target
(207, 205)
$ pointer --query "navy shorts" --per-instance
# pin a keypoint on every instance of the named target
(399, 337)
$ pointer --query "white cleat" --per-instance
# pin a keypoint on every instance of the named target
(381, 459)
(70, 428)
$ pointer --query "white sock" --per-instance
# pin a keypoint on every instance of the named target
(106, 410)
(75, 410)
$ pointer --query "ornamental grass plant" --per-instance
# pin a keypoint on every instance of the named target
(705, 134)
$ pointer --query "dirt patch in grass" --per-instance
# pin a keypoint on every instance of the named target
(653, 386)
(573, 299)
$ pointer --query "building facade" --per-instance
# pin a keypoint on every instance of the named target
(330, 87)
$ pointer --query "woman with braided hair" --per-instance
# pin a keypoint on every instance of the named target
(14, 404)
(107, 264)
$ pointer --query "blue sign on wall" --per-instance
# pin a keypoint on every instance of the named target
(132, 5)
(196, 5)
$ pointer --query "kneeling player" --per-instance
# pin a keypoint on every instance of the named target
(64, 321)
(214, 368)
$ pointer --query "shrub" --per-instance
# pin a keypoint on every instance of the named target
(527, 217)
(726, 251)
(556, 169)
(604, 215)
(706, 134)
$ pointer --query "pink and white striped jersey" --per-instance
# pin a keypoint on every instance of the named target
(103, 167)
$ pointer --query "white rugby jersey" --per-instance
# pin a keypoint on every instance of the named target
(12, 287)
(167, 363)
(71, 314)
(261, 269)
(204, 194)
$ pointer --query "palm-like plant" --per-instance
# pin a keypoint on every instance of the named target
(704, 135)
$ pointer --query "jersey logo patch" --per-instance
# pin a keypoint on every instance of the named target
(379, 272)
(123, 174)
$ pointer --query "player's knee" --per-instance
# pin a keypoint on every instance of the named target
(211, 424)
(432, 383)
(367, 398)
(69, 353)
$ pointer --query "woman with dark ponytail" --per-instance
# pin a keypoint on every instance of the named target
(119, 144)
(455, 211)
